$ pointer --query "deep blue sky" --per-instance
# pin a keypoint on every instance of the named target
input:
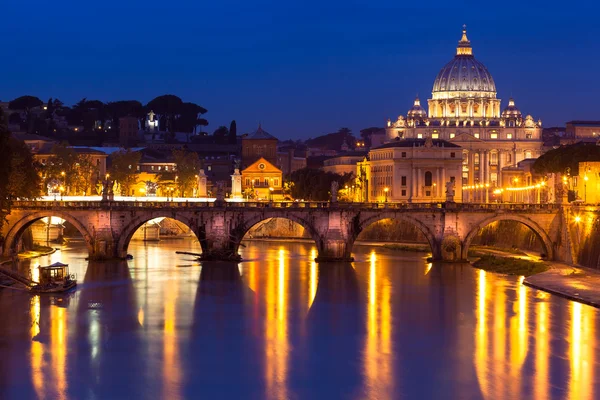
(303, 68)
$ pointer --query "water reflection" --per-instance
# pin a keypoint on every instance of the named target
(279, 325)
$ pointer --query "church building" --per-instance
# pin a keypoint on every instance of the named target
(465, 111)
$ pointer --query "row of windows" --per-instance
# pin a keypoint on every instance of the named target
(382, 156)
(265, 182)
(508, 136)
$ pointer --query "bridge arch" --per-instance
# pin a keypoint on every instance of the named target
(541, 234)
(136, 223)
(16, 231)
(239, 231)
(362, 224)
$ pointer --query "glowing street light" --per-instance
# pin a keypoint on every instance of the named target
(271, 193)
(386, 190)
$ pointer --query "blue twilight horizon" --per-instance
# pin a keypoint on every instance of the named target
(303, 68)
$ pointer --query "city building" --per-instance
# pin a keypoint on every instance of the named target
(413, 170)
(290, 160)
(581, 131)
(464, 110)
(259, 144)
(262, 180)
(128, 131)
(345, 163)
(587, 183)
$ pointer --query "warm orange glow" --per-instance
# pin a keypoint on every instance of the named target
(581, 352)
(378, 367)
(171, 364)
(541, 352)
(37, 351)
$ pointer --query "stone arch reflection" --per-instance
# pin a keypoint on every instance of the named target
(107, 319)
(223, 330)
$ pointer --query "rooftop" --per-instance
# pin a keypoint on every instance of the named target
(416, 143)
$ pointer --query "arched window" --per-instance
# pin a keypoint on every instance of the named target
(428, 178)
(528, 154)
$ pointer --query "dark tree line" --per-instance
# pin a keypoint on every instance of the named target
(19, 177)
(173, 114)
(567, 157)
(315, 184)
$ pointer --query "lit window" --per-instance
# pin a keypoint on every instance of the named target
(166, 167)
(494, 136)
(247, 181)
(435, 135)
(494, 158)
(528, 154)
(159, 167)
(209, 168)
(152, 167)
(509, 135)
(276, 182)
(419, 136)
(477, 135)
(452, 135)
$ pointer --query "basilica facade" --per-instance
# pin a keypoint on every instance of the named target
(464, 110)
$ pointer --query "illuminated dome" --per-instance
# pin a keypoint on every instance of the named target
(464, 74)
(511, 111)
(416, 110)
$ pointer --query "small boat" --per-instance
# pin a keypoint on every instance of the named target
(54, 278)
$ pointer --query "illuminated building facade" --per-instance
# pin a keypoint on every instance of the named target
(465, 111)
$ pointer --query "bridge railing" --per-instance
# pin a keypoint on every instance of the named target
(54, 204)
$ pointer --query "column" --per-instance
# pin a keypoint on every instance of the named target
(486, 167)
(481, 166)
(471, 168)
(457, 108)
(499, 174)
(413, 184)
(437, 183)
(443, 183)
(420, 182)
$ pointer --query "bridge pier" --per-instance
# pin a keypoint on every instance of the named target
(334, 250)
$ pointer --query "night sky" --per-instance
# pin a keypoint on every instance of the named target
(303, 69)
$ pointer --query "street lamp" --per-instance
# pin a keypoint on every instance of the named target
(386, 190)
(62, 189)
(271, 194)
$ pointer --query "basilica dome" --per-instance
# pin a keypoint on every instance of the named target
(511, 111)
(464, 74)
(416, 110)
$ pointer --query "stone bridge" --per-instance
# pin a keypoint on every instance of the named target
(107, 227)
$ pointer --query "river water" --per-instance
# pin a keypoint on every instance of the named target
(280, 326)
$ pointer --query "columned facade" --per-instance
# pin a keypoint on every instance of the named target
(464, 110)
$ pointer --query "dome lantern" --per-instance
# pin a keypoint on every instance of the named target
(464, 45)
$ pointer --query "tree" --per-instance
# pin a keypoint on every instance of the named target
(366, 134)
(188, 119)
(233, 132)
(26, 104)
(558, 160)
(168, 107)
(123, 169)
(333, 141)
(62, 167)
(123, 108)
(221, 134)
(188, 165)
(315, 184)
(19, 177)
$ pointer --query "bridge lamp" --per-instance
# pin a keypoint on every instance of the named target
(577, 219)
(386, 190)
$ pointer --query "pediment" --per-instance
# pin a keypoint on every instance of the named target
(464, 137)
(261, 165)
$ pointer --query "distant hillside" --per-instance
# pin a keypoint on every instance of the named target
(333, 141)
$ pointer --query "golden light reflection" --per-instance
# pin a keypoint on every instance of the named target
(378, 358)
(541, 352)
(276, 346)
(518, 338)
(37, 351)
(581, 352)
(312, 277)
(58, 346)
(481, 347)
(171, 370)
(429, 266)
(140, 316)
